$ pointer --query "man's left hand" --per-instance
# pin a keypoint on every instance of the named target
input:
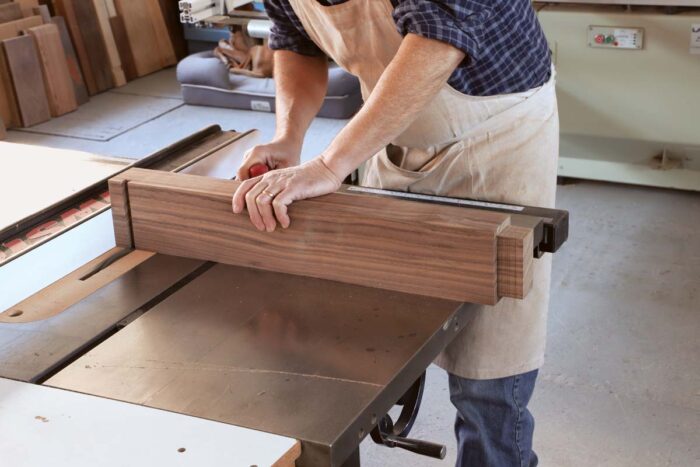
(268, 197)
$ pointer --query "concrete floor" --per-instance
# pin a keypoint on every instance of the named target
(621, 384)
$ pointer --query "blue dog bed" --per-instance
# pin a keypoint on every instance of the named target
(207, 81)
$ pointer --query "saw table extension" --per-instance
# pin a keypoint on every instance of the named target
(312, 333)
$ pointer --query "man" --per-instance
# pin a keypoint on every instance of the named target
(459, 101)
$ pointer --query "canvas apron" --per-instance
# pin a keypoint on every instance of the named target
(499, 148)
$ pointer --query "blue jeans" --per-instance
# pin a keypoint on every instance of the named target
(494, 427)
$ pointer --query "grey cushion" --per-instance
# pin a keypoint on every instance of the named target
(206, 81)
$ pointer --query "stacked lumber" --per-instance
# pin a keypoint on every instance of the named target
(35, 78)
(25, 59)
(50, 65)
(119, 40)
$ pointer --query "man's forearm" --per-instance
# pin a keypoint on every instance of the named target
(301, 83)
(414, 77)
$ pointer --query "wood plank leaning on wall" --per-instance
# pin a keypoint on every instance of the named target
(97, 54)
(428, 249)
(146, 34)
(25, 69)
(9, 110)
(112, 51)
(10, 12)
(57, 78)
(81, 93)
(65, 9)
(27, 6)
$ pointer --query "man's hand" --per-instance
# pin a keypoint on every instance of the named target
(278, 154)
(267, 197)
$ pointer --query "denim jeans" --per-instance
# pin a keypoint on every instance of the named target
(494, 427)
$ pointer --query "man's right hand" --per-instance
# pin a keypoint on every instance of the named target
(277, 154)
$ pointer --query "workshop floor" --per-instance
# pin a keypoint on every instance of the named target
(621, 384)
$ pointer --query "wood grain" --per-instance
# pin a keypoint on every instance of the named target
(9, 111)
(43, 11)
(65, 8)
(76, 75)
(10, 12)
(27, 6)
(72, 288)
(434, 250)
(57, 77)
(120, 212)
(25, 69)
(515, 260)
(124, 48)
(141, 35)
(171, 15)
(165, 47)
(112, 52)
(15, 28)
(97, 54)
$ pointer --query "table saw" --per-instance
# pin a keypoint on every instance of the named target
(252, 343)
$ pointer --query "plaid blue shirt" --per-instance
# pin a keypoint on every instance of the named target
(504, 43)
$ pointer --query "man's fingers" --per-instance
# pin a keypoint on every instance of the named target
(280, 205)
(239, 195)
(264, 202)
(242, 173)
(252, 205)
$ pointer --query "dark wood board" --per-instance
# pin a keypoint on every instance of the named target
(57, 78)
(43, 11)
(434, 250)
(96, 49)
(27, 6)
(171, 15)
(3, 132)
(10, 12)
(141, 35)
(65, 8)
(25, 69)
(9, 111)
(112, 51)
(81, 93)
(124, 48)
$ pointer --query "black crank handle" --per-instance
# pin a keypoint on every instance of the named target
(425, 448)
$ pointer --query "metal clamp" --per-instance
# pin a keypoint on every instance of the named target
(394, 434)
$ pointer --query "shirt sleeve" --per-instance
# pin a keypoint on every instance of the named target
(459, 23)
(285, 34)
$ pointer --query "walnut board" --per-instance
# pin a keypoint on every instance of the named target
(9, 111)
(81, 93)
(142, 36)
(25, 69)
(427, 249)
(10, 12)
(112, 51)
(57, 77)
(27, 6)
(96, 47)
(65, 9)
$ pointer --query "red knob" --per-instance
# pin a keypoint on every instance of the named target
(258, 170)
